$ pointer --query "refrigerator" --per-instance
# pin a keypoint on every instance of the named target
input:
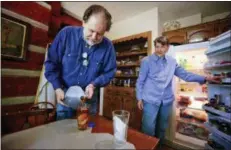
(186, 124)
(219, 106)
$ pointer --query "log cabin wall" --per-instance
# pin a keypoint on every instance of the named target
(20, 79)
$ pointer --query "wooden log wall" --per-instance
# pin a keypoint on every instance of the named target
(20, 79)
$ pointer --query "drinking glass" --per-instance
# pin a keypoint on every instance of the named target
(120, 126)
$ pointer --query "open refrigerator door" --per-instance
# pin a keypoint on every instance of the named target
(187, 121)
(218, 107)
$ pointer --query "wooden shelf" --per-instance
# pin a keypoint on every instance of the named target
(126, 76)
(128, 66)
(128, 54)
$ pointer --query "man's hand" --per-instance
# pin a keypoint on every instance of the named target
(89, 91)
(140, 104)
(214, 79)
(60, 96)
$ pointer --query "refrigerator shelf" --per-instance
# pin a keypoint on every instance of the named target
(222, 66)
(221, 141)
(221, 38)
(217, 132)
(189, 121)
(223, 85)
(194, 69)
(219, 44)
(208, 147)
(188, 107)
(220, 50)
(218, 118)
(218, 112)
(189, 83)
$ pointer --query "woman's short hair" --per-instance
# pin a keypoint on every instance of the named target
(162, 40)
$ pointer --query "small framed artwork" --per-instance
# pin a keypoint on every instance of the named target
(14, 38)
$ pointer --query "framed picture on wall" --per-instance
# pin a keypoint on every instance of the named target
(14, 38)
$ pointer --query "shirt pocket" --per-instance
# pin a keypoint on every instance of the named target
(70, 61)
(153, 73)
(97, 66)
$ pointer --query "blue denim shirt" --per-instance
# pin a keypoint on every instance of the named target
(154, 83)
(64, 65)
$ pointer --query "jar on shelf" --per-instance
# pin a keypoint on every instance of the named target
(137, 71)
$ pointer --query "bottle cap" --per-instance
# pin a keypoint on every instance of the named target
(91, 124)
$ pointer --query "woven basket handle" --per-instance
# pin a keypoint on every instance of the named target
(36, 107)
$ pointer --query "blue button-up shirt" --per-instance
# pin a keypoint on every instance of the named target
(64, 65)
(154, 83)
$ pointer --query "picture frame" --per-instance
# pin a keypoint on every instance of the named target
(14, 38)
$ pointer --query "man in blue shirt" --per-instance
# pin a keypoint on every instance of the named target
(82, 56)
(154, 87)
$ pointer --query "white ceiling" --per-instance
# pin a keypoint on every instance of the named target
(167, 10)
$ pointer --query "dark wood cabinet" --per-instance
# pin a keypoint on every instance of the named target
(198, 33)
(224, 25)
(176, 37)
(121, 94)
(117, 98)
(112, 101)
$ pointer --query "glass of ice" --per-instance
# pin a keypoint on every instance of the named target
(120, 127)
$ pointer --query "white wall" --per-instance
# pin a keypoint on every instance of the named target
(160, 24)
(190, 20)
(146, 21)
(197, 19)
(185, 21)
(215, 17)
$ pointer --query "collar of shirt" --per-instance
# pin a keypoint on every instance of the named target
(156, 58)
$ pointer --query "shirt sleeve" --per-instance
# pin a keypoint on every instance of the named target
(109, 68)
(188, 76)
(141, 79)
(54, 61)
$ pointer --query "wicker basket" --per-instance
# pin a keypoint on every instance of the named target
(34, 116)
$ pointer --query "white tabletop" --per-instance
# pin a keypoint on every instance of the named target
(62, 134)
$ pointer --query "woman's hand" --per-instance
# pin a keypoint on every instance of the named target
(140, 104)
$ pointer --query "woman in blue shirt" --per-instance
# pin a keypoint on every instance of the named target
(154, 87)
(82, 56)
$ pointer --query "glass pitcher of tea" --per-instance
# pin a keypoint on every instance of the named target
(82, 116)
